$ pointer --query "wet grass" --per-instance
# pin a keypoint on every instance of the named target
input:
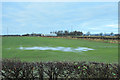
(104, 52)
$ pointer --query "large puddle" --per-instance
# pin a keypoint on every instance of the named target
(65, 49)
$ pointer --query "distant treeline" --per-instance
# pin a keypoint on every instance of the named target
(67, 33)
(80, 33)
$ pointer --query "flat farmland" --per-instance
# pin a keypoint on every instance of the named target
(58, 49)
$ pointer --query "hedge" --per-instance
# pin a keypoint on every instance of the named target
(15, 69)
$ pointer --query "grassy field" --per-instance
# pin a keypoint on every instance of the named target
(104, 52)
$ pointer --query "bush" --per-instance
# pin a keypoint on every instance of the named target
(15, 69)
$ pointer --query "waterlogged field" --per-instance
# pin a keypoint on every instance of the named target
(58, 49)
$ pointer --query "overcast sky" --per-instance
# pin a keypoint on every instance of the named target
(44, 17)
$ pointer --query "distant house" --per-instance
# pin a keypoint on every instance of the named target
(48, 34)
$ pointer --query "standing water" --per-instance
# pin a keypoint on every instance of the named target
(65, 49)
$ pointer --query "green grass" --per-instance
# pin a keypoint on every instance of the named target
(104, 52)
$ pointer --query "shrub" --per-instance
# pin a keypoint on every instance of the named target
(15, 69)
